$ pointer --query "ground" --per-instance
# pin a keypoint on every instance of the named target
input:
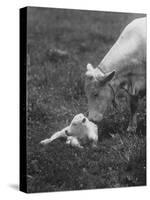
(60, 43)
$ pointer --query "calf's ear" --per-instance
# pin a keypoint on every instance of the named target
(89, 67)
(84, 120)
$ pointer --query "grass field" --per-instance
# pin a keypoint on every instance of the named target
(55, 89)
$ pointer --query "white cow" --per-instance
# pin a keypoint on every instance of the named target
(77, 133)
(122, 69)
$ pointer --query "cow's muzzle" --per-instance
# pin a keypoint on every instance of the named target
(95, 117)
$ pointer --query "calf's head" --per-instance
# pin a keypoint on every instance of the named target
(98, 91)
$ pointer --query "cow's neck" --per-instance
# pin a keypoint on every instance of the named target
(105, 68)
(126, 75)
(120, 81)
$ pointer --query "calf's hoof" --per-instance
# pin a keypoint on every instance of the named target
(44, 142)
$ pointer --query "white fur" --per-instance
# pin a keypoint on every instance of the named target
(80, 130)
(74, 142)
(129, 49)
(127, 59)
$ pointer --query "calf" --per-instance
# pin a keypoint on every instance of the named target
(78, 132)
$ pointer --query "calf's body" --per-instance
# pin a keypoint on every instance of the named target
(79, 131)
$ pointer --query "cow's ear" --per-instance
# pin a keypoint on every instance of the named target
(109, 77)
(89, 67)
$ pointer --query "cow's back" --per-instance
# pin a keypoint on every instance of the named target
(129, 49)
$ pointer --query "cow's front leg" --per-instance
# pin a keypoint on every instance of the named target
(94, 145)
(133, 102)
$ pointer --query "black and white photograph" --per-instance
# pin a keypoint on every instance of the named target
(83, 99)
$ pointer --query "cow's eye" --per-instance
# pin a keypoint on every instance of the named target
(90, 78)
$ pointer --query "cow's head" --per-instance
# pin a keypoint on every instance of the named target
(98, 92)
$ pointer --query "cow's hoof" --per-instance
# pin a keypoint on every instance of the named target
(94, 146)
(131, 129)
